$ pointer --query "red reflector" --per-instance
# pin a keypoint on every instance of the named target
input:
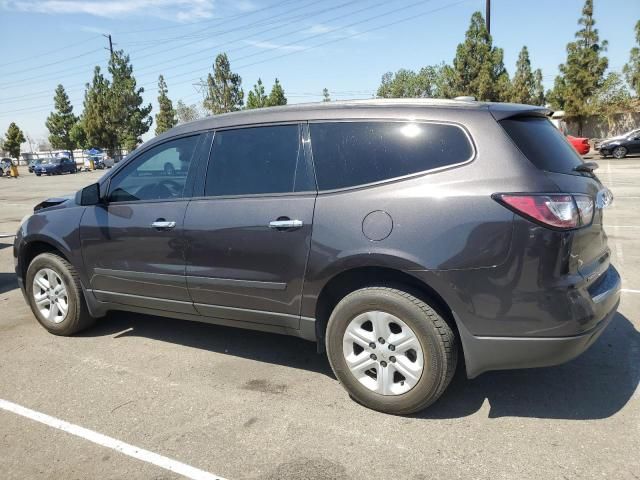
(557, 211)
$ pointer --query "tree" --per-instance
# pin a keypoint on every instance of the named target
(61, 121)
(166, 116)
(224, 88)
(276, 97)
(538, 88)
(478, 67)
(257, 98)
(129, 117)
(100, 131)
(632, 69)
(409, 84)
(611, 98)
(79, 135)
(186, 113)
(526, 85)
(325, 95)
(583, 73)
(13, 138)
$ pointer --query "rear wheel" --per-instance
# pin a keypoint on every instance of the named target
(390, 350)
(55, 295)
(620, 152)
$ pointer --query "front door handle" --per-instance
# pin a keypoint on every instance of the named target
(285, 224)
(161, 224)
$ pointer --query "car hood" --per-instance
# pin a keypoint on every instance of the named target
(47, 166)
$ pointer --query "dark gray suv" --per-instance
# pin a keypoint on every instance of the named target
(398, 235)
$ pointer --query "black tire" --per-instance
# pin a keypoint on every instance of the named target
(38, 174)
(78, 317)
(432, 331)
(620, 152)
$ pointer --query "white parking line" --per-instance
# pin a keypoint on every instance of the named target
(629, 290)
(122, 447)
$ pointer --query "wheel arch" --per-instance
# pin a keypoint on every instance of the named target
(349, 280)
(31, 249)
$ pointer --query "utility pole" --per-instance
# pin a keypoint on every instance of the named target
(111, 44)
(487, 11)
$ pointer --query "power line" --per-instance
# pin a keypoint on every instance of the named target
(67, 73)
(71, 45)
(58, 62)
(335, 40)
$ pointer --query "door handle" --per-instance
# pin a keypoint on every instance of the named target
(285, 224)
(163, 225)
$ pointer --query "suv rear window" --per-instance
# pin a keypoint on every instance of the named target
(542, 143)
(347, 154)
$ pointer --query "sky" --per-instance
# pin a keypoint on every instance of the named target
(343, 45)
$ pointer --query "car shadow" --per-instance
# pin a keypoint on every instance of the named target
(595, 385)
(8, 282)
(261, 346)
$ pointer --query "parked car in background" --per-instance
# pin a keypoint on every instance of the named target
(103, 162)
(55, 166)
(580, 144)
(5, 166)
(34, 163)
(621, 145)
(473, 230)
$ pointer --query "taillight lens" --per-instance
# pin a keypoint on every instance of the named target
(562, 212)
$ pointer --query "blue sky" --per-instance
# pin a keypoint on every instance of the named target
(344, 45)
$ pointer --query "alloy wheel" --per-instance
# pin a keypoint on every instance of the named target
(50, 295)
(383, 353)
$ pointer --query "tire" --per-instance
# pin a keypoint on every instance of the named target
(435, 353)
(619, 152)
(77, 316)
(38, 174)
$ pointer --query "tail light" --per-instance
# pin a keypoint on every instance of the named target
(557, 211)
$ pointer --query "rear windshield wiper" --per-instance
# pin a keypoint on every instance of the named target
(588, 167)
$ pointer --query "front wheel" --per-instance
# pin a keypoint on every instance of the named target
(55, 295)
(390, 350)
(619, 152)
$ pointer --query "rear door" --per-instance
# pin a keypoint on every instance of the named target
(549, 151)
(250, 232)
(133, 244)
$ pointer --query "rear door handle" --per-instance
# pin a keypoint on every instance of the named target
(163, 225)
(285, 224)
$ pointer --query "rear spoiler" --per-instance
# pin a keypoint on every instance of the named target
(500, 111)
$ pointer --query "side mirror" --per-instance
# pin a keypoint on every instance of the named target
(90, 195)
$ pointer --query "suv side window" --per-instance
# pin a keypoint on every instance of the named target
(347, 154)
(160, 173)
(258, 160)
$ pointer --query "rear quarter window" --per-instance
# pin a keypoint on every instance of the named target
(542, 143)
(348, 154)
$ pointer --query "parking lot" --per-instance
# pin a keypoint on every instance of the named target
(249, 405)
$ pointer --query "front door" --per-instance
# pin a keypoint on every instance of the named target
(133, 244)
(249, 235)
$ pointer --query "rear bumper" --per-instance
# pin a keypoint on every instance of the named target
(485, 353)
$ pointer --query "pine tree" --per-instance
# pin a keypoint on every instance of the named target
(166, 116)
(276, 97)
(583, 73)
(13, 138)
(99, 129)
(61, 121)
(538, 88)
(78, 135)
(257, 98)
(478, 67)
(224, 88)
(632, 69)
(325, 95)
(526, 85)
(129, 116)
